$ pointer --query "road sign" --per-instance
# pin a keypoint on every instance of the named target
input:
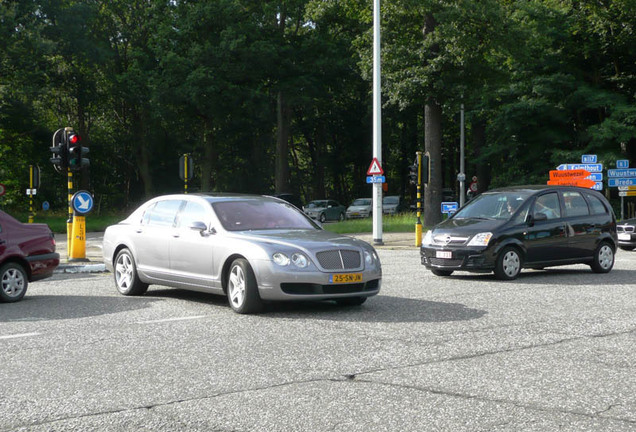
(449, 207)
(598, 177)
(627, 188)
(613, 182)
(580, 182)
(627, 193)
(46, 205)
(622, 163)
(588, 158)
(376, 179)
(82, 202)
(621, 173)
(375, 169)
(598, 186)
(593, 167)
(3, 189)
(568, 174)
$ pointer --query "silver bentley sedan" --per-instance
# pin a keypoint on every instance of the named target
(248, 247)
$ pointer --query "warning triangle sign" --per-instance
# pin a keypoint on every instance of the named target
(375, 168)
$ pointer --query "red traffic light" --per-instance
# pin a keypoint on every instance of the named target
(73, 138)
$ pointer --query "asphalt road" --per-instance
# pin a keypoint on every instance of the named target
(554, 350)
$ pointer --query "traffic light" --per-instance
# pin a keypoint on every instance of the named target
(413, 171)
(76, 151)
(59, 149)
(425, 168)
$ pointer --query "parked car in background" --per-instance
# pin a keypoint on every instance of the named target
(626, 234)
(324, 210)
(27, 254)
(359, 208)
(250, 248)
(393, 204)
(505, 230)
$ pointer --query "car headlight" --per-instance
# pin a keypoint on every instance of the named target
(480, 239)
(299, 260)
(281, 259)
(428, 238)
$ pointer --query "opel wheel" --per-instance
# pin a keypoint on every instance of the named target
(508, 264)
(603, 258)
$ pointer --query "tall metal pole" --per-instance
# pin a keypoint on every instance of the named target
(462, 173)
(377, 124)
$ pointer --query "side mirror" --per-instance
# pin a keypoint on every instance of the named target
(537, 217)
(202, 228)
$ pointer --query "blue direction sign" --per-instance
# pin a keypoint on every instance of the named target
(598, 186)
(596, 177)
(622, 163)
(82, 202)
(621, 173)
(588, 159)
(614, 182)
(450, 207)
(376, 179)
(591, 167)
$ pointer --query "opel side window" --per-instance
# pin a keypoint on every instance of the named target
(575, 204)
(596, 204)
(548, 204)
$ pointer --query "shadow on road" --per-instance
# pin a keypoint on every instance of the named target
(47, 307)
(555, 276)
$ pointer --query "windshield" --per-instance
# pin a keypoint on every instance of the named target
(260, 215)
(362, 202)
(317, 204)
(391, 200)
(496, 205)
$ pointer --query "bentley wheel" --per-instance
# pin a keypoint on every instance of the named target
(242, 290)
(126, 277)
(13, 282)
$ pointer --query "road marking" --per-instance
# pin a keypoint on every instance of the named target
(171, 319)
(21, 335)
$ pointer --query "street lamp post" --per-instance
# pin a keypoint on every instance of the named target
(377, 124)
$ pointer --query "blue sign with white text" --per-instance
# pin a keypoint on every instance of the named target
(622, 163)
(613, 182)
(621, 173)
(376, 179)
(450, 207)
(591, 167)
(588, 159)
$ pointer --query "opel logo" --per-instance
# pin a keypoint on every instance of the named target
(447, 239)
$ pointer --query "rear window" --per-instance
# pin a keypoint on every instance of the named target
(596, 205)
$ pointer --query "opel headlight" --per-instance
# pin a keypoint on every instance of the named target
(428, 238)
(480, 239)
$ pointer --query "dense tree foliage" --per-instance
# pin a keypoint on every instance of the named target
(275, 96)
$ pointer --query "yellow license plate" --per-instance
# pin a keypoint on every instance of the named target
(345, 278)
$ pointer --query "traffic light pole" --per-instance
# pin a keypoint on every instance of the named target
(69, 221)
(418, 224)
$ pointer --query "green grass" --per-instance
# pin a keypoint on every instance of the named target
(400, 223)
(57, 222)
(404, 222)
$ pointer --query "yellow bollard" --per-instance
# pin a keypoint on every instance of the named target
(78, 240)
(418, 234)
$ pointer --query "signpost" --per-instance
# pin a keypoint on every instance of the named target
(449, 207)
(375, 175)
(624, 178)
(82, 203)
(593, 179)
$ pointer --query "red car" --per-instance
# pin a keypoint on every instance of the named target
(27, 253)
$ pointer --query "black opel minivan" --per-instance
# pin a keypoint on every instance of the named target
(505, 230)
